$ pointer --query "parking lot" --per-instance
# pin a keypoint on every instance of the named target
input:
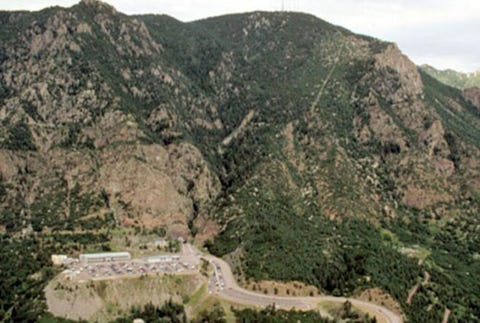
(216, 282)
(134, 267)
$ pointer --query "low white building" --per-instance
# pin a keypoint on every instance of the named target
(162, 259)
(159, 259)
(89, 258)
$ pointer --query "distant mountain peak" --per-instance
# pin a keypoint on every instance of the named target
(97, 4)
(453, 78)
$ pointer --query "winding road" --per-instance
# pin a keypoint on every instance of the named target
(223, 284)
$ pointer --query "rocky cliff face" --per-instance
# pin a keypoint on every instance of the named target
(77, 123)
(473, 95)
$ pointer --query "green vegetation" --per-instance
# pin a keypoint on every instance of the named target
(452, 276)
(48, 318)
(63, 209)
(169, 312)
(337, 257)
(342, 257)
(272, 315)
(464, 124)
(19, 138)
(214, 315)
(26, 268)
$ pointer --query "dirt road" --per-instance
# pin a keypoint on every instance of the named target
(223, 284)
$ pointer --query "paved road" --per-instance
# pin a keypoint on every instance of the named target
(224, 285)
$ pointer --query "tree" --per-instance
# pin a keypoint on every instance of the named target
(217, 315)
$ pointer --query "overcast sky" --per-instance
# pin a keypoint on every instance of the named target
(442, 33)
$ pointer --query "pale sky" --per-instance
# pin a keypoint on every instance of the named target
(442, 33)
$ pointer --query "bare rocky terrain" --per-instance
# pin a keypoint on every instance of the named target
(473, 95)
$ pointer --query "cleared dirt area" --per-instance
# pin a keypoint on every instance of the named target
(446, 315)
(104, 300)
(379, 297)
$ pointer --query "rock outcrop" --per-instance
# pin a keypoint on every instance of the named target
(473, 95)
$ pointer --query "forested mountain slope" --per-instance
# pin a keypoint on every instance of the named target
(468, 82)
(294, 148)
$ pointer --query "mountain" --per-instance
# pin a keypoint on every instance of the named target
(468, 82)
(295, 149)
(453, 78)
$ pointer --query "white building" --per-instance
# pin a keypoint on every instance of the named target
(59, 259)
(162, 259)
(105, 257)
(159, 259)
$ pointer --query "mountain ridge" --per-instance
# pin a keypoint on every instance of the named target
(339, 139)
(454, 78)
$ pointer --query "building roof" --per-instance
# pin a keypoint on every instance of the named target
(105, 254)
(160, 257)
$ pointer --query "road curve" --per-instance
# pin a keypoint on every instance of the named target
(232, 292)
